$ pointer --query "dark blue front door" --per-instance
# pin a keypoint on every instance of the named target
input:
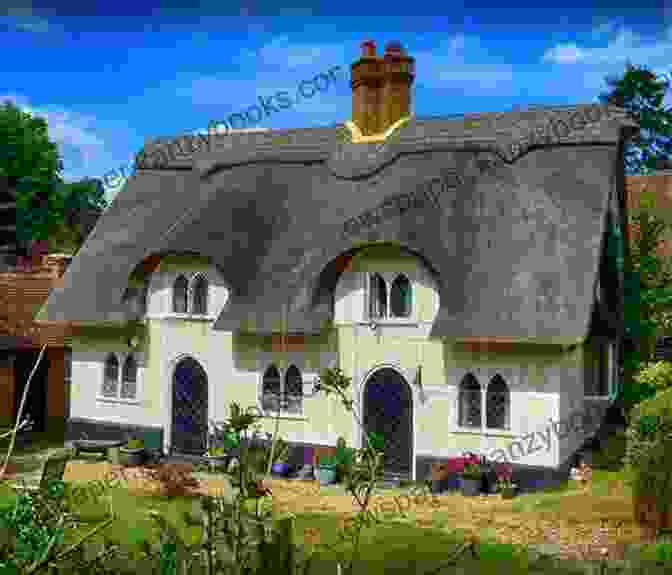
(388, 410)
(190, 407)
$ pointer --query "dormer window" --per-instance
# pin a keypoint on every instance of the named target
(390, 300)
(191, 297)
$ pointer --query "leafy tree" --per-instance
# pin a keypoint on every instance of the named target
(648, 300)
(648, 304)
(641, 93)
(31, 167)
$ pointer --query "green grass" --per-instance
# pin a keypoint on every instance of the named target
(385, 549)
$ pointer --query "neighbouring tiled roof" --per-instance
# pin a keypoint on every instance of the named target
(659, 186)
(22, 292)
(268, 209)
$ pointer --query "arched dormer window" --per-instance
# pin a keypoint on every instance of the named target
(111, 377)
(377, 297)
(200, 296)
(497, 403)
(129, 378)
(293, 392)
(400, 297)
(470, 402)
(270, 394)
(180, 295)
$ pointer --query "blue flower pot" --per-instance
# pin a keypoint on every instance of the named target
(326, 474)
(280, 469)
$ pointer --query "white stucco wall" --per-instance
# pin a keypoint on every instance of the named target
(235, 363)
(86, 400)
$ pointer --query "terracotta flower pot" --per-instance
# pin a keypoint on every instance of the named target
(440, 472)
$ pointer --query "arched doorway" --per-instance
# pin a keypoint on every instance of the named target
(388, 410)
(190, 407)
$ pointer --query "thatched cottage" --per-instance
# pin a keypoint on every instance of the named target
(465, 272)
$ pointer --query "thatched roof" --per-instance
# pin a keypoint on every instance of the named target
(513, 234)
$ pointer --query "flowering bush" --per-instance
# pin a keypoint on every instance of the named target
(504, 475)
(656, 375)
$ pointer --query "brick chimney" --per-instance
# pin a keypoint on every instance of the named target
(381, 87)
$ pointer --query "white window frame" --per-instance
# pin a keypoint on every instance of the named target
(388, 279)
(121, 358)
(285, 414)
(483, 429)
(191, 281)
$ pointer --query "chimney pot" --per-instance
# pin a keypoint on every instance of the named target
(369, 49)
(381, 87)
(394, 47)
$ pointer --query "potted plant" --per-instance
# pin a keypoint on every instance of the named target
(133, 453)
(217, 456)
(327, 469)
(280, 464)
(220, 455)
(505, 484)
(471, 479)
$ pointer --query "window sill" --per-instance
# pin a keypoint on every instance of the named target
(284, 416)
(391, 322)
(184, 316)
(117, 400)
(599, 397)
(485, 432)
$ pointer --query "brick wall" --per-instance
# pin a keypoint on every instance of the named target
(7, 390)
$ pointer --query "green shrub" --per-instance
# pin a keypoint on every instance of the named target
(649, 447)
(344, 457)
(656, 375)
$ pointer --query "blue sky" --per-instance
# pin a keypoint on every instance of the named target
(109, 76)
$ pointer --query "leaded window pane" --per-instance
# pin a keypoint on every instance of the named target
(470, 402)
(270, 398)
(293, 390)
(200, 301)
(111, 377)
(377, 297)
(180, 295)
(129, 378)
(400, 297)
(497, 404)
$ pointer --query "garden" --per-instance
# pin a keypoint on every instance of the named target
(239, 513)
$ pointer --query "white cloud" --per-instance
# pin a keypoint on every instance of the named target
(83, 152)
(461, 61)
(564, 54)
(626, 45)
(278, 65)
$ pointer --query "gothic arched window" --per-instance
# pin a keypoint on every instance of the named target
(497, 403)
(129, 377)
(270, 393)
(293, 392)
(377, 297)
(180, 295)
(200, 296)
(111, 378)
(400, 297)
(470, 402)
